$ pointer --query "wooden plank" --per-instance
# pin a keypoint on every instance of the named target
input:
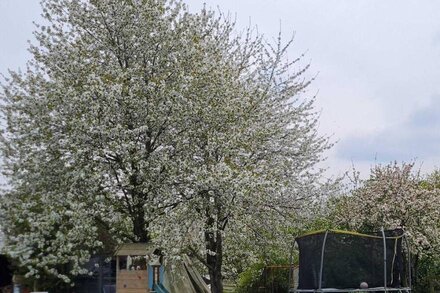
(197, 279)
(132, 284)
(131, 272)
(132, 275)
(132, 290)
(133, 278)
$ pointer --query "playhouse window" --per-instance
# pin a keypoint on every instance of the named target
(122, 263)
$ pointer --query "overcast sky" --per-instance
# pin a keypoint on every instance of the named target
(377, 65)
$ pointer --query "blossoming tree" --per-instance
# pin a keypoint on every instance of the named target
(157, 124)
(396, 196)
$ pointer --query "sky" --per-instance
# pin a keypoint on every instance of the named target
(376, 63)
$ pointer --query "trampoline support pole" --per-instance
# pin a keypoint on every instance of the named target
(409, 261)
(322, 261)
(384, 260)
(291, 273)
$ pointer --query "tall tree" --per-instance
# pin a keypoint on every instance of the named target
(158, 124)
(253, 148)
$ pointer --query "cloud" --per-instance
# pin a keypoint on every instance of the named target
(418, 137)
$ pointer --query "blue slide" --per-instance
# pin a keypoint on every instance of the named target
(159, 288)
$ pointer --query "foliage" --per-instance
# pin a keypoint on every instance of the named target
(431, 181)
(158, 125)
(250, 278)
(427, 276)
(265, 277)
(428, 273)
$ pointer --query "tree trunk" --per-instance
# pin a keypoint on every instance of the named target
(415, 271)
(216, 281)
(140, 227)
(214, 257)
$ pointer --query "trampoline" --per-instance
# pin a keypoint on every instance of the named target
(343, 261)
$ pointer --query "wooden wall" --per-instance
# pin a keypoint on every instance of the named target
(135, 281)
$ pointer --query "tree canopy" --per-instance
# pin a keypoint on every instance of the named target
(153, 124)
(395, 196)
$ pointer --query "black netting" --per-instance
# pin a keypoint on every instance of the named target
(5, 271)
(350, 259)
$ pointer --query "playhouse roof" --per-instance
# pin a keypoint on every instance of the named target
(134, 249)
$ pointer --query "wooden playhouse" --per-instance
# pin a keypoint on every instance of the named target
(138, 268)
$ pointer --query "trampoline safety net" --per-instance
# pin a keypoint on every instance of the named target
(349, 259)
